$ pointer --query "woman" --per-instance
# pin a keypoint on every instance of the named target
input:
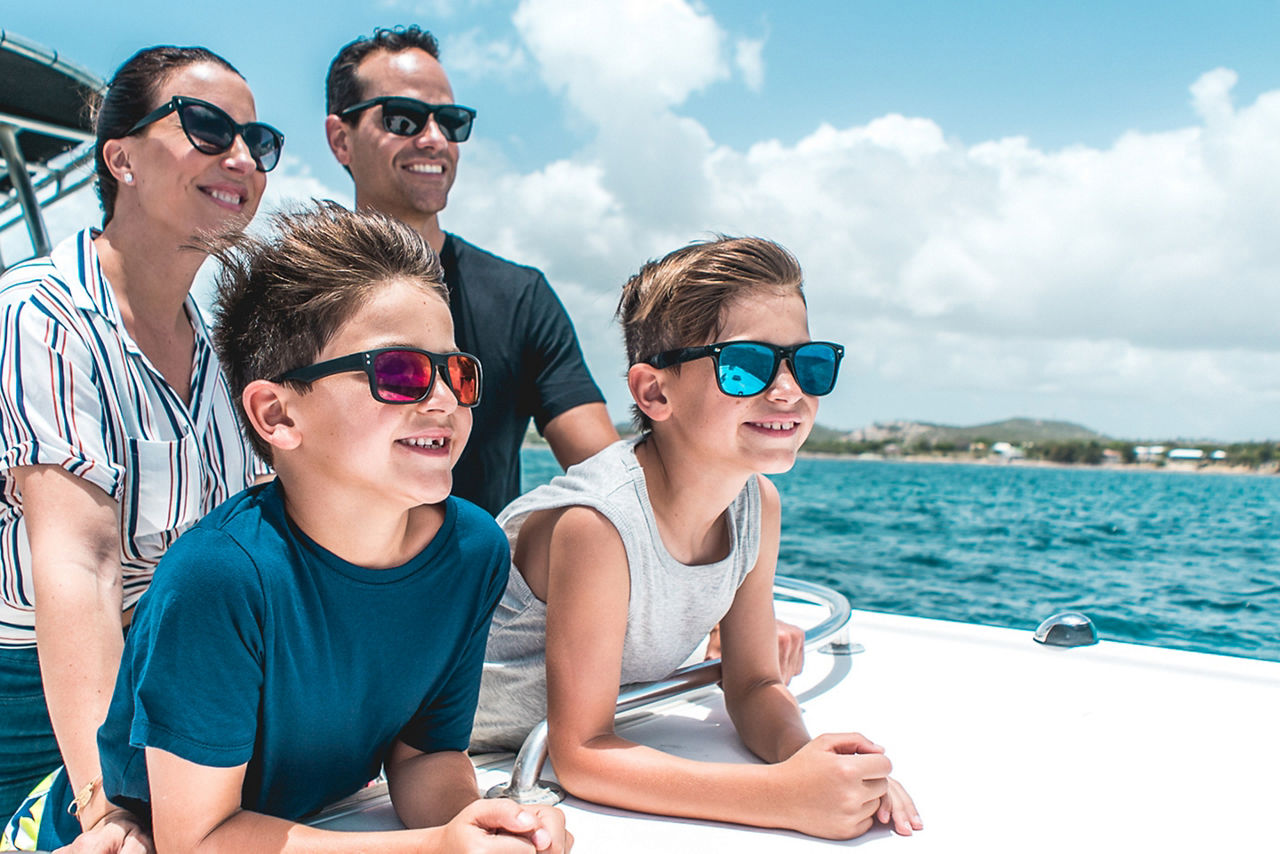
(117, 426)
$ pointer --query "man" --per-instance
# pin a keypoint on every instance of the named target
(402, 154)
(394, 125)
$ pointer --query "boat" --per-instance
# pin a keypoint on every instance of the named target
(1005, 743)
(46, 137)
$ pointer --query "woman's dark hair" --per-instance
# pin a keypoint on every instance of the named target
(130, 95)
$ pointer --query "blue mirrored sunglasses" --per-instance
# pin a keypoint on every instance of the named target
(746, 368)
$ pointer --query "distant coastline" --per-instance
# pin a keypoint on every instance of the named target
(1269, 469)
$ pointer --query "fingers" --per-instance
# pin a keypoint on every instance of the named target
(898, 806)
(790, 650)
(848, 742)
(542, 827)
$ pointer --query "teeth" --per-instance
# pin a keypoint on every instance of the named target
(778, 425)
(426, 443)
(223, 196)
(427, 168)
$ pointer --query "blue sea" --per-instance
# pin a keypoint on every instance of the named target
(1173, 559)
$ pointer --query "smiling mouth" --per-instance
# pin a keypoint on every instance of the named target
(225, 197)
(435, 444)
(777, 426)
(426, 168)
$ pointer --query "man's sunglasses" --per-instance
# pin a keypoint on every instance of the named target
(746, 368)
(211, 131)
(408, 116)
(402, 374)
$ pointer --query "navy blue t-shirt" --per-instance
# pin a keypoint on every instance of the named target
(507, 316)
(255, 645)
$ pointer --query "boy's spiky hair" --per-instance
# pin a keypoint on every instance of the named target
(680, 299)
(283, 297)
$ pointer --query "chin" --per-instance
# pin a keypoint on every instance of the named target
(776, 463)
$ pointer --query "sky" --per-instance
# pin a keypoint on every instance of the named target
(1043, 209)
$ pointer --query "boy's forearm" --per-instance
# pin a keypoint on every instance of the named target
(429, 789)
(250, 832)
(768, 720)
(620, 773)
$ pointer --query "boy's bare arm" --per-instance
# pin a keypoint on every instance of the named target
(825, 790)
(428, 789)
(196, 808)
(764, 712)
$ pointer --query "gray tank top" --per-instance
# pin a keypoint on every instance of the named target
(672, 606)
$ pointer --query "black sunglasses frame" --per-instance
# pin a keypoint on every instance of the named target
(178, 103)
(460, 132)
(687, 354)
(364, 362)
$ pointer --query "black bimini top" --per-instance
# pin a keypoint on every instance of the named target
(44, 112)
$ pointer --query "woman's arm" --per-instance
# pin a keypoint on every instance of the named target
(74, 532)
(823, 790)
(196, 808)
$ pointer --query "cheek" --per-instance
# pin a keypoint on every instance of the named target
(462, 422)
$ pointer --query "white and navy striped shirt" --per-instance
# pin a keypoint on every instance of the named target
(77, 392)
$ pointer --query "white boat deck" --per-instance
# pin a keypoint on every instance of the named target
(1006, 745)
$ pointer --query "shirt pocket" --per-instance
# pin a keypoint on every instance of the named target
(161, 497)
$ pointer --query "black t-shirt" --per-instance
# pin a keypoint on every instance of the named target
(508, 316)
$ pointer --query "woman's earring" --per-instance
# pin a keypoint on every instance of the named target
(128, 177)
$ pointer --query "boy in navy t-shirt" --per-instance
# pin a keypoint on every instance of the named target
(316, 628)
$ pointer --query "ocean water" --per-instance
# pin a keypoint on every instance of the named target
(1181, 560)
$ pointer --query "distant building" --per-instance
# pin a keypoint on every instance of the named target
(1148, 453)
(1186, 454)
(1007, 451)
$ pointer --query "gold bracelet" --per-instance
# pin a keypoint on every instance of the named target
(77, 806)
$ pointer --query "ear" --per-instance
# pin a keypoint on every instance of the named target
(267, 406)
(646, 385)
(115, 153)
(338, 133)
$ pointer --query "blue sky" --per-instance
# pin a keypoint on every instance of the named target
(1048, 209)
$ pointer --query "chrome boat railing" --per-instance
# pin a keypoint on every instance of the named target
(526, 787)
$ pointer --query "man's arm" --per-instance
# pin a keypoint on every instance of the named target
(580, 433)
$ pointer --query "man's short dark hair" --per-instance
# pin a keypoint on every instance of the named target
(283, 297)
(342, 89)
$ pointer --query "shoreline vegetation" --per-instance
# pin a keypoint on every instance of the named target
(1028, 442)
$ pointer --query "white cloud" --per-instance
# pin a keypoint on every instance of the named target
(748, 56)
(608, 58)
(471, 54)
(1073, 282)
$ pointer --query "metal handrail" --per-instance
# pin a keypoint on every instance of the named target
(526, 787)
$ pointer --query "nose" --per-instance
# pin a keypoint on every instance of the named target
(441, 398)
(237, 158)
(784, 386)
(431, 136)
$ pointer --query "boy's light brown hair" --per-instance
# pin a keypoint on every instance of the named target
(283, 297)
(680, 299)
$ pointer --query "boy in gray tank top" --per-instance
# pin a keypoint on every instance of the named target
(624, 563)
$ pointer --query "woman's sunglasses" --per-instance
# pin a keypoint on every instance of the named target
(408, 116)
(211, 131)
(402, 374)
(746, 368)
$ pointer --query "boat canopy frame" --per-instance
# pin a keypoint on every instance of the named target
(46, 133)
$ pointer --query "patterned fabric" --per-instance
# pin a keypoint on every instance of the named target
(77, 392)
(22, 833)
